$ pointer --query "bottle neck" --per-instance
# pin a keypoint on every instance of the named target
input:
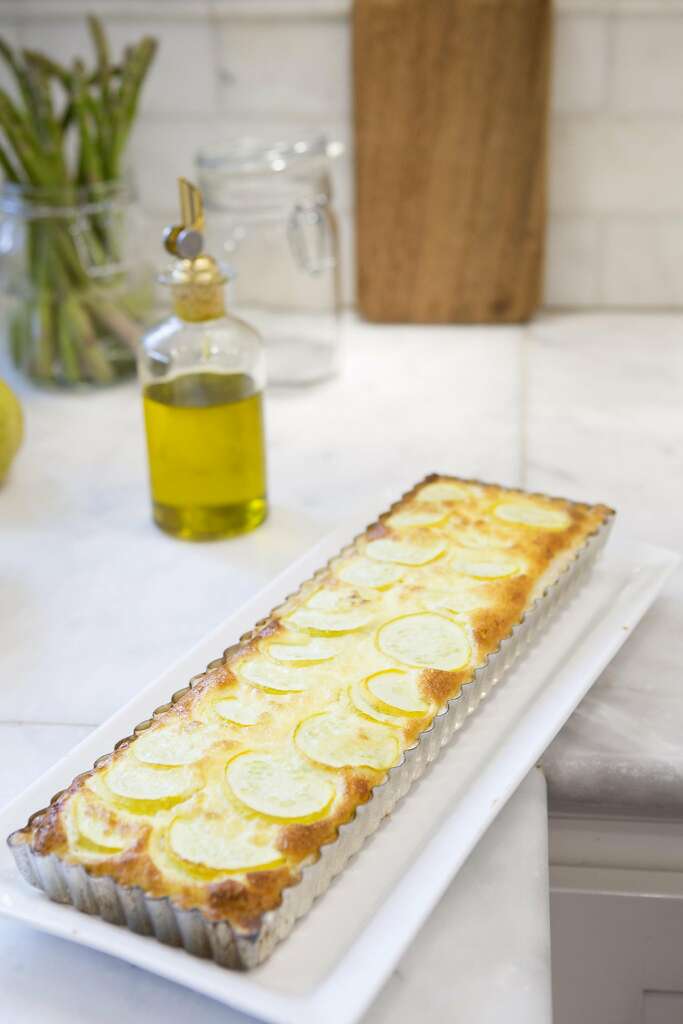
(197, 302)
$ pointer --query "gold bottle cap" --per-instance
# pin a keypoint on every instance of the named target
(196, 279)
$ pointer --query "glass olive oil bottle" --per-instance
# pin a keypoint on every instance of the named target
(202, 374)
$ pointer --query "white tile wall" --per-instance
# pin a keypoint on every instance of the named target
(169, 89)
(164, 148)
(580, 58)
(644, 259)
(647, 65)
(278, 67)
(573, 257)
(615, 165)
(287, 66)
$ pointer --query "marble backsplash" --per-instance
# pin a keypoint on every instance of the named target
(226, 67)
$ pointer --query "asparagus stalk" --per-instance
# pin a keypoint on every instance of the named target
(133, 72)
(98, 105)
(22, 141)
(96, 365)
(51, 68)
(89, 162)
(8, 169)
(22, 80)
(111, 317)
(18, 329)
(83, 356)
(67, 340)
(103, 71)
(50, 131)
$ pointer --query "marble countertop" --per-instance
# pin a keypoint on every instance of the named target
(484, 950)
(95, 601)
(603, 418)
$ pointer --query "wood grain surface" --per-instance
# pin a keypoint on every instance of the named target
(451, 102)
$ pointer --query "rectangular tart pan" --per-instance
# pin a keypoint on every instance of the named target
(218, 940)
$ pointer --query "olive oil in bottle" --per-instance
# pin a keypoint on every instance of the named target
(206, 457)
(202, 374)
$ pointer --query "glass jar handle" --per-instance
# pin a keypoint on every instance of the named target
(309, 237)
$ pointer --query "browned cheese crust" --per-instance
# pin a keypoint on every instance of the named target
(229, 791)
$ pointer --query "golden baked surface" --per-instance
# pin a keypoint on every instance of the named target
(231, 790)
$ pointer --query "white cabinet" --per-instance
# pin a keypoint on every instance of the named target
(616, 913)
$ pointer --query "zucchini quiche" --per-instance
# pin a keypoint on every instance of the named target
(221, 800)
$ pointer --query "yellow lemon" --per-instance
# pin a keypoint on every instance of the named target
(11, 427)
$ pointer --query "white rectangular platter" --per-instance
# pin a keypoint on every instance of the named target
(338, 957)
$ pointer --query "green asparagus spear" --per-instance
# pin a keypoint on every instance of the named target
(135, 67)
(96, 365)
(103, 73)
(11, 174)
(68, 342)
(70, 306)
(21, 78)
(23, 142)
(51, 135)
(62, 74)
(90, 163)
(106, 313)
(50, 67)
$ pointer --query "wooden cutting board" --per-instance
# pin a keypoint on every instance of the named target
(451, 101)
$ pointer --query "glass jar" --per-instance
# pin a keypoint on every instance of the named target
(269, 215)
(202, 373)
(80, 294)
